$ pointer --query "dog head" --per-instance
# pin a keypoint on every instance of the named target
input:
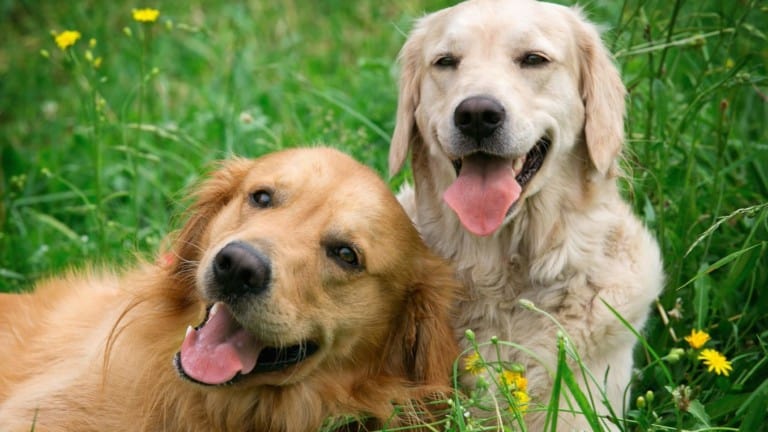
(501, 94)
(305, 263)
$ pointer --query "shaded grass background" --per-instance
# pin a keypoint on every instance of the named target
(90, 181)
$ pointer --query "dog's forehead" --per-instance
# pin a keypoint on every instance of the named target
(328, 177)
(497, 23)
(310, 168)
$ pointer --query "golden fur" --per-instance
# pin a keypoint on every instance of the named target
(569, 242)
(93, 351)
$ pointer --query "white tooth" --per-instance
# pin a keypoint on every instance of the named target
(189, 330)
(214, 309)
(518, 165)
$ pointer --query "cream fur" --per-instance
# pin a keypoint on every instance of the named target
(571, 242)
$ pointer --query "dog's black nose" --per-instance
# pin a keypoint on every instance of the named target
(479, 116)
(239, 269)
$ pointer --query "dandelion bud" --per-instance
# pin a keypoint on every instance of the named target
(649, 396)
(45, 53)
(481, 384)
(92, 43)
(169, 24)
(674, 355)
(246, 117)
(127, 31)
(495, 340)
(527, 304)
(470, 335)
(640, 402)
(89, 56)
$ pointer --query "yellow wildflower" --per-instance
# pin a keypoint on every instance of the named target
(715, 362)
(146, 15)
(697, 338)
(473, 363)
(520, 399)
(66, 38)
(514, 380)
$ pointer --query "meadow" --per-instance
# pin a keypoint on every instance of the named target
(99, 141)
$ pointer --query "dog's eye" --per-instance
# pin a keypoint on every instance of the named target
(447, 61)
(344, 255)
(261, 198)
(533, 59)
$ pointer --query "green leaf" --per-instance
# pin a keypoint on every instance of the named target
(756, 407)
(56, 225)
(697, 410)
(701, 288)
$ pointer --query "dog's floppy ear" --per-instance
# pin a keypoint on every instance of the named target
(603, 94)
(408, 99)
(209, 198)
(424, 344)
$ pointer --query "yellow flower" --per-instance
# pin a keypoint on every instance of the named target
(473, 363)
(715, 362)
(514, 380)
(146, 15)
(697, 338)
(66, 38)
(520, 400)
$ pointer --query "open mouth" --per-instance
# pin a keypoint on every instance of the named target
(526, 166)
(487, 187)
(220, 351)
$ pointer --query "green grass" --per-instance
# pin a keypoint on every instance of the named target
(94, 161)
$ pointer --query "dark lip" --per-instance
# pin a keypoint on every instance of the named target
(271, 359)
(533, 161)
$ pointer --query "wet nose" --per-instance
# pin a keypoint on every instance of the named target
(479, 116)
(239, 269)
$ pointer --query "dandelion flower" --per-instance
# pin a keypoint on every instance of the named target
(473, 363)
(520, 400)
(66, 38)
(514, 380)
(146, 15)
(697, 338)
(715, 362)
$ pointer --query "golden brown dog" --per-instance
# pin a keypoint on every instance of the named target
(312, 294)
(513, 112)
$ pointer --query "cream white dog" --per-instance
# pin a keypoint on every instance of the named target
(513, 113)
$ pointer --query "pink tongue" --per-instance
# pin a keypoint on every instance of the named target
(218, 350)
(483, 193)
